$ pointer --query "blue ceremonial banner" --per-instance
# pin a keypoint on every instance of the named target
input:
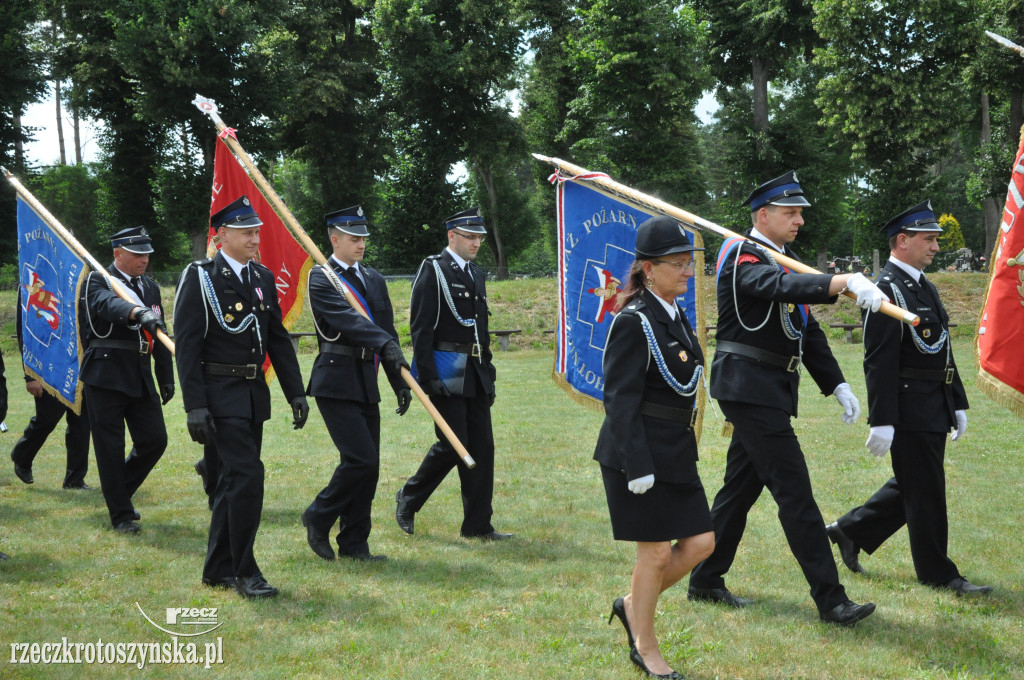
(596, 241)
(51, 277)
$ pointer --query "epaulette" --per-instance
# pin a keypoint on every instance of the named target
(203, 262)
(431, 258)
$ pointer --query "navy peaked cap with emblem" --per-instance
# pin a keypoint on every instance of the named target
(784, 190)
(467, 220)
(133, 239)
(662, 235)
(238, 215)
(350, 220)
(918, 218)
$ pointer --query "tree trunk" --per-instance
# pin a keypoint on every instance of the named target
(19, 147)
(500, 260)
(1016, 105)
(761, 124)
(990, 206)
(60, 125)
(821, 259)
(77, 132)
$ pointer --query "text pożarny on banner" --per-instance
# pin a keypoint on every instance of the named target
(596, 242)
(50, 274)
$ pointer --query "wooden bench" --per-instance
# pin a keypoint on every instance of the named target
(503, 337)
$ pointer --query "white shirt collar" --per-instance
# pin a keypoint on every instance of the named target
(345, 267)
(126, 276)
(235, 265)
(913, 272)
(764, 239)
(670, 308)
(458, 260)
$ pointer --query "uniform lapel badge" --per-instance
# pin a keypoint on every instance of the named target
(791, 307)
(238, 306)
(229, 318)
(926, 333)
(682, 356)
(225, 272)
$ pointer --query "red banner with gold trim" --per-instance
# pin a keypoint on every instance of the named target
(1001, 330)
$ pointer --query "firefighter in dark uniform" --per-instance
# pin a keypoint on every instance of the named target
(452, 360)
(119, 337)
(915, 397)
(49, 412)
(765, 333)
(227, 322)
(344, 383)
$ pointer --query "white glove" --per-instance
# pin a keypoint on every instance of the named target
(879, 440)
(642, 484)
(961, 425)
(851, 407)
(868, 295)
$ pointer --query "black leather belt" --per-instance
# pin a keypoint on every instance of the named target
(247, 371)
(943, 375)
(472, 349)
(363, 353)
(762, 355)
(141, 348)
(677, 415)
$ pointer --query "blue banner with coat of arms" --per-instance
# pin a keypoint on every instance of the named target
(51, 276)
(597, 237)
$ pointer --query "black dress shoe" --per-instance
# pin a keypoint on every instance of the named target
(717, 595)
(619, 609)
(491, 536)
(363, 557)
(848, 613)
(635, 657)
(962, 586)
(79, 486)
(254, 586)
(126, 527)
(135, 515)
(848, 550)
(219, 582)
(23, 473)
(318, 542)
(403, 515)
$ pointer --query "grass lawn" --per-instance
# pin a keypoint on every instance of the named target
(532, 607)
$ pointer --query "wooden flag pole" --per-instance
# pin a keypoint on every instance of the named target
(208, 107)
(79, 249)
(610, 187)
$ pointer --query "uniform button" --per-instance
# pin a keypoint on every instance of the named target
(253, 351)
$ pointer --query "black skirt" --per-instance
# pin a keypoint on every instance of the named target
(666, 512)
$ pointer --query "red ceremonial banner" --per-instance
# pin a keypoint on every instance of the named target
(279, 251)
(1001, 330)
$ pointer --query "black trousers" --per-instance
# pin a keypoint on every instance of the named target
(764, 452)
(355, 429)
(120, 478)
(470, 419)
(49, 411)
(916, 496)
(237, 498)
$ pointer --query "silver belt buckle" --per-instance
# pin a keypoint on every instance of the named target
(475, 351)
(693, 418)
(250, 373)
(794, 363)
(950, 372)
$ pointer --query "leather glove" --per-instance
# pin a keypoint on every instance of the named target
(438, 388)
(961, 425)
(300, 411)
(166, 393)
(392, 359)
(641, 484)
(879, 440)
(868, 295)
(851, 407)
(200, 425)
(151, 321)
(404, 399)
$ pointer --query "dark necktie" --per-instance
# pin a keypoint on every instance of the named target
(352, 277)
(133, 283)
(469, 275)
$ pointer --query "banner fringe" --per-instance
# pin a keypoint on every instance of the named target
(1000, 392)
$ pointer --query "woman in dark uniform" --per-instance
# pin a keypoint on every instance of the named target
(647, 450)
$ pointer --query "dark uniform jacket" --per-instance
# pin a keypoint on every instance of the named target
(199, 338)
(431, 320)
(760, 287)
(104, 317)
(909, 403)
(341, 376)
(636, 443)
